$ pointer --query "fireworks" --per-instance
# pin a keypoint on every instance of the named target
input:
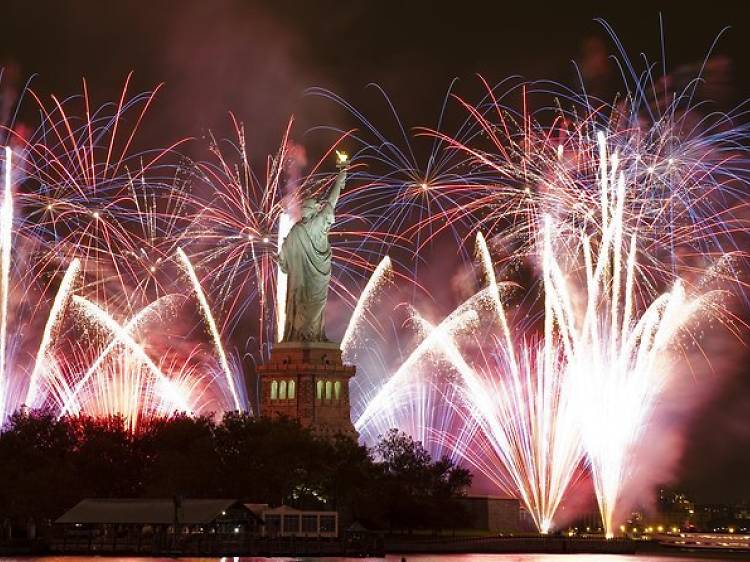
(213, 330)
(6, 231)
(617, 349)
(522, 402)
(80, 221)
(613, 216)
(688, 173)
(625, 212)
(622, 212)
(242, 218)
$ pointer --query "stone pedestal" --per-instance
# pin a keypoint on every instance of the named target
(310, 383)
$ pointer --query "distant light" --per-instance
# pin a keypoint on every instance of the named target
(95, 214)
(650, 170)
(265, 239)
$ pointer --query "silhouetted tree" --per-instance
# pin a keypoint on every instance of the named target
(36, 475)
(106, 458)
(48, 464)
(417, 492)
(180, 456)
(264, 460)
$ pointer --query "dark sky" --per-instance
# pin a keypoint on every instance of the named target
(257, 58)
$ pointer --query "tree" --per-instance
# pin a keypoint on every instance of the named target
(180, 456)
(264, 460)
(417, 491)
(49, 464)
(350, 481)
(36, 475)
(105, 457)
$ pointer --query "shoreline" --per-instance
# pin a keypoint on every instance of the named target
(394, 547)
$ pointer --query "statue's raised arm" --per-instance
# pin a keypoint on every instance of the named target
(306, 259)
(338, 186)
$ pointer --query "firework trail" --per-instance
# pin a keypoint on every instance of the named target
(76, 175)
(6, 232)
(285, 225)
(379, 404)
(378, 278)
(131, 325)
(87, 205)
(519, 399)
(689, 171)
(619, 348)
(171, 392)
(58, 306)
(211, 323)
(123, 386)
(419, 394)
(407, 179)
(529, 443)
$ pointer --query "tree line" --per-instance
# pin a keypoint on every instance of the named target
(48, 464)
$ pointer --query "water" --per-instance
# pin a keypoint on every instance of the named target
(397, 558)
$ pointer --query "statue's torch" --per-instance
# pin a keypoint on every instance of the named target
(342, 160)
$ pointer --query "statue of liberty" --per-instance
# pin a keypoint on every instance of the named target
(306, 259)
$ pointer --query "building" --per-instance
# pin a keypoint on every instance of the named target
(151, 525)
(308, 382)
(201, 527)
(218, 515)
(492, 514)
(285, 521)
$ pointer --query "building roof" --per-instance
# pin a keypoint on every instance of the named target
(154, 511)
(257, 508)
(285, 509)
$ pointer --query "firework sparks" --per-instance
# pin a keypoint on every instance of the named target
(58, 306)
(618, 355)
(166, 387)
(285, 225)
(213, 330)
(520, 399)
(376, 281)
(139, 318)
(6, 233)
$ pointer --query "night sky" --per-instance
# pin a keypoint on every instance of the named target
(257, 58)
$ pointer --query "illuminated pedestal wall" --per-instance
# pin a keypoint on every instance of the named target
(310, 383)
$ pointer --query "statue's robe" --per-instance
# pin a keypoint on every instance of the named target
(306, 259)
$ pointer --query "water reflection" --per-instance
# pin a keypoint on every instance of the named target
(395, 558)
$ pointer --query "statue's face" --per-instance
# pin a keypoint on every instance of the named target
(309, 208)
